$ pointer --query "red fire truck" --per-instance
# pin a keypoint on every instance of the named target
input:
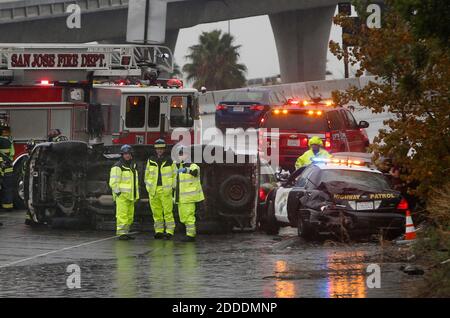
(101, 93)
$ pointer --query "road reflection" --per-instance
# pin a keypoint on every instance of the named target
(167, 269)
(126, 270)
(283, 288)
(346, 275)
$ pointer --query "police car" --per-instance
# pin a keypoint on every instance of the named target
(340, 196)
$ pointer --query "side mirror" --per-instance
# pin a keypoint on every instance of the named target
(363, 124)
(282, 176)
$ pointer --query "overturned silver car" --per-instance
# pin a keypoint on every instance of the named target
(66, 184)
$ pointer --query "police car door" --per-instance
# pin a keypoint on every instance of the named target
(281, 201)
(282, 194)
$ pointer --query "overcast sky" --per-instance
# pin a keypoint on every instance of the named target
(258, 51)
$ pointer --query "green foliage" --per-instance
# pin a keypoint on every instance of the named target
(428, 18)
(414, 77)
(214, 62)
(176, 73)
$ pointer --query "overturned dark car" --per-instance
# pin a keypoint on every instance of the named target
(65, 184)
(342, 198)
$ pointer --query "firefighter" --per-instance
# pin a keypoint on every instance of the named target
(6, 163)
(55, 135)
(124, 183)
(316, 151)
(188, 191)
(159, 180)
(6, 142)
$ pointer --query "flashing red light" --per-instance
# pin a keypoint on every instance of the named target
(221, 107)
(327, 141)
(175, 82)
(45, 82)
(292, 101)
(262, 194)
(403, 205)
(304, 142)
(257, 107)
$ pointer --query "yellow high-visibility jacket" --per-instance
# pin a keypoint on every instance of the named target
(168, 174)
(124, 180)
(307, 157)
(188, 185)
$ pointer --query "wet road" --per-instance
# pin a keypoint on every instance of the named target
(33, 263)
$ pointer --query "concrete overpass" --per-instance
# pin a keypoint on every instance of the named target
(301, 27)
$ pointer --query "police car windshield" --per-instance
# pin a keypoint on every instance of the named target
(300, 121)
(244, 96)
(353, 179)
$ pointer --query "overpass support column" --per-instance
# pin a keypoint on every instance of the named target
(171, 38)
(302, 42)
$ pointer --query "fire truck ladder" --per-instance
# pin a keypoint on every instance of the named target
(122, 60)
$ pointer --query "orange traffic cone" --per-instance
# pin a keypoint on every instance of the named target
(410, 230)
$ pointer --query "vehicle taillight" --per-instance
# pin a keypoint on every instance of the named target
(403, 205)
(257, 107)
(221, 107)
(327, 141)
(304, 142)
(262, 194)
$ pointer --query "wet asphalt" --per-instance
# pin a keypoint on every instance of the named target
(34, 263)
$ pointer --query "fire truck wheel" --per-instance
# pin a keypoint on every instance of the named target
(236, 192)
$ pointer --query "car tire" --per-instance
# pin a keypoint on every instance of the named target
(236, 192)
(269, 223)
(305, 230)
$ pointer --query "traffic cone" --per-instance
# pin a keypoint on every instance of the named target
(410, 230)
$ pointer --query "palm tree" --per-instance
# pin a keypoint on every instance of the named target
(176, 72)
(214, 62)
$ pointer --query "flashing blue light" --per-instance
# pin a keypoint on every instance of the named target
(320, 160)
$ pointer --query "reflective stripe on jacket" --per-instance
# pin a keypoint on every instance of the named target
(168, 173)
(189, 187)
(124, 180)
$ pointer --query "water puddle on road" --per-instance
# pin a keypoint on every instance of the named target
(342, 274)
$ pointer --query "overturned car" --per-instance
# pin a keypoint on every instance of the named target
(65, 184)
(336, 197)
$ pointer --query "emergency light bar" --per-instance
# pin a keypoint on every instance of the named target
(313, 102)
(346, 162)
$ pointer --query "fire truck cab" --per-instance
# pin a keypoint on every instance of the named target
(140, 115)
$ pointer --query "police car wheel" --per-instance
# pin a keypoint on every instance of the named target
(269, 223)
